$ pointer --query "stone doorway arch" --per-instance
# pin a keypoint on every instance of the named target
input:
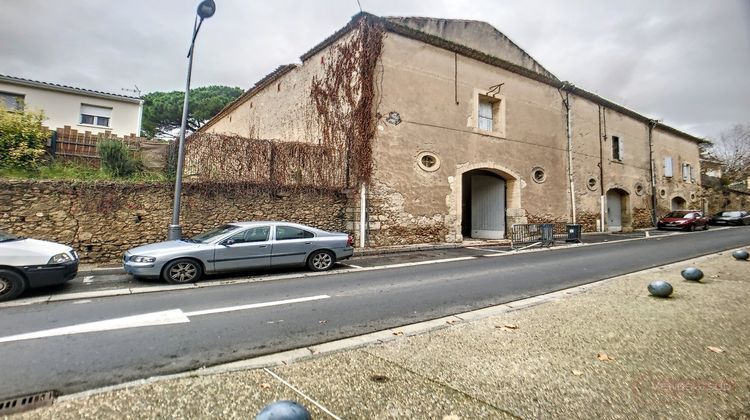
(619, 217)
(678, 203)
(487, 201)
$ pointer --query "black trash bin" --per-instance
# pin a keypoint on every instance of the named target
(547, 235)
(574, 233)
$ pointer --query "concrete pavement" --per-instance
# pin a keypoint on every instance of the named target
(606, 350)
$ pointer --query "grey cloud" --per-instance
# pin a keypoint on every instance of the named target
(683, 61)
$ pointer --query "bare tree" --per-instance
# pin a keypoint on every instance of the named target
(733, 151)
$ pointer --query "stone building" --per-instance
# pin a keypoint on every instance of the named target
(452, 131)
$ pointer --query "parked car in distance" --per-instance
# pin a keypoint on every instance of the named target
(239, 246)
(683, 220)
(736, 217)
(28, 263)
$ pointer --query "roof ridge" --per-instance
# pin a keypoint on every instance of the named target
(58, 85)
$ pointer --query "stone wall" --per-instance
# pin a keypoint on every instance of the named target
(390, 224)
(719, 198)
(642, 218)
(102, 220)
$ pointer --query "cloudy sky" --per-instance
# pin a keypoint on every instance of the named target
(686, 62)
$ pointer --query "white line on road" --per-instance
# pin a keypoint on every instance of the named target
(359, 267)
(255, 305)
(172, 316)
(484, 249)
(412, 264)
(88, 279)
(79, 302)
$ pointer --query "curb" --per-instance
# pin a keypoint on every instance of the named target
(89, 270)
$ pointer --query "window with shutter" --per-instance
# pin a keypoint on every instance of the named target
(95, 115)
(616, 148)
(668, 166)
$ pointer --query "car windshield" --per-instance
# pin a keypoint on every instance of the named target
(8, 237)
(730, 214)
(212, 234)
(676, 214)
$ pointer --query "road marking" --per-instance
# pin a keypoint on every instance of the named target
(78, 302)
(172, 316)
(413, 264)
(325, 410)
(88, 279)
(485, 249)
(359, 267)
(255, 305)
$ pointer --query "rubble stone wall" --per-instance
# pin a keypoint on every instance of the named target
(102, 220)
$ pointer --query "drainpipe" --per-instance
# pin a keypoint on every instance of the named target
(602, 197)
(566, 101)
(651, 125)
(362, 214)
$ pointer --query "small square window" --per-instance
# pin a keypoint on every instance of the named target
(103, 121)
(11, 101)
(87, 119)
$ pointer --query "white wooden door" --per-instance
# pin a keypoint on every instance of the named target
(614, 212)
(487, 207)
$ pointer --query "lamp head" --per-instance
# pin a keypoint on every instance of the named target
(206, 9)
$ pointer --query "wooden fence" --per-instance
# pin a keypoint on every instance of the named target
(69, 144)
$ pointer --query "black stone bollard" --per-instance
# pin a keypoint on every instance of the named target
(740, 254)
(660, 288)
(692, 274)
(284, 410)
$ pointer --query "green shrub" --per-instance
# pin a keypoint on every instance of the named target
(22, 139)
(117, 160)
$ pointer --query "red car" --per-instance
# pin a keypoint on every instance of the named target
(683, 220)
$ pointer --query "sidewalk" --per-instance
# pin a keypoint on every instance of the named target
(607, 350)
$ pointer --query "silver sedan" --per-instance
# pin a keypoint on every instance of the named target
(239, 246)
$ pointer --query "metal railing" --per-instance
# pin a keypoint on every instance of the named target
(529, 235)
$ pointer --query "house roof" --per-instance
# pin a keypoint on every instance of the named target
(442, 33)
(68, 89)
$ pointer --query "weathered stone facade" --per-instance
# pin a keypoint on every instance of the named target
(458, 102)
(102, 220)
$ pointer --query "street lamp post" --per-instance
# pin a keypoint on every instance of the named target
(206, 9)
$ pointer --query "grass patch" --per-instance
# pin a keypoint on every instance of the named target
(76, 172)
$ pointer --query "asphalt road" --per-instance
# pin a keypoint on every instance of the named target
(202, 329)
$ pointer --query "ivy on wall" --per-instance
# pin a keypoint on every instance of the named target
(344, 98)
(340, 121)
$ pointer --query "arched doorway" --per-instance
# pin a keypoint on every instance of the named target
(678, 203)
(483, 205)
(618, 210)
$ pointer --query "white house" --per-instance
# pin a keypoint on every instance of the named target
(81, 109)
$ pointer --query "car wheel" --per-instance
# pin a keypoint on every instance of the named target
(705, 227)
(12, 285)
(182, 271)
(692, 228)
(321, 261)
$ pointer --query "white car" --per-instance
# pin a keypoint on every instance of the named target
(27, 263)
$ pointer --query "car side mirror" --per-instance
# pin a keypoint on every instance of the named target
(228, 242)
